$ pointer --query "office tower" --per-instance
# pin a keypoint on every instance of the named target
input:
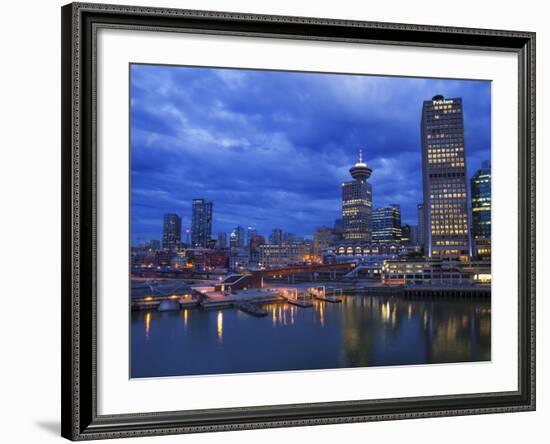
(276, 237)
(236, 238)
(481, 211)
(322, 238)
(406, 234)
(444, 179)
(171, 232)
(222, 240)
(421, 225)
(201, 222)
(357, 203)
(386, 224)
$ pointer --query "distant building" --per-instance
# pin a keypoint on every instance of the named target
(238, 259)
(276, 236)
(154, 245)
(444, 179)
(206, 259)
(250, 233)
(481, 211)
(357, 203)
(171, 232)
(322, 239)
(254, 249)
(409, 235)
(201, 222)
(236, 239)
(291, 238)
(386, 224)
(421, 226)
(222, 240)
(281, 255)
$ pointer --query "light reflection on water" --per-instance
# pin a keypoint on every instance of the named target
(360, 331)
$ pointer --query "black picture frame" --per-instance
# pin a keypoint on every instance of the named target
(80, 22)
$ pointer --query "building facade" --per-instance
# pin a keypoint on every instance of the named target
(322, 239)
(446, 230)
(435, 272)
(481, 211)
(201, 222)
(276, 236)
(222, 240)
(421, 226)
(386, 224)
(171, 232)
(357, 203)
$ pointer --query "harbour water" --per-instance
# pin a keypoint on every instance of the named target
(361, 331)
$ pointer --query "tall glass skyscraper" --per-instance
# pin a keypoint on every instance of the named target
(444, 179)
(386, 224)
(201, 222)
(481, 211)
(171, 232)
(357, 203)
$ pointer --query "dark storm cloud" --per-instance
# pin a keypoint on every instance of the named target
(271, 149)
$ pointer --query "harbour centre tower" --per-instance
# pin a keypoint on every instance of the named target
(357, 203)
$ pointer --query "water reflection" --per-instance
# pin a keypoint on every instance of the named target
(360, 331)
(220, 325)
(147, 324)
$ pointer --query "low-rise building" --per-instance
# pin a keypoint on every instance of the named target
(435, 273)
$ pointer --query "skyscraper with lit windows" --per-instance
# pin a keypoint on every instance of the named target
(171, 232)
(357, 203)
(481, 211)
(386, 224)
(201, 222)
(445, 185)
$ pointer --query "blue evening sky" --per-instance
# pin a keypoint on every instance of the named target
(271, 149)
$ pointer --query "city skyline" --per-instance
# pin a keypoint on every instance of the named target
(281, 164)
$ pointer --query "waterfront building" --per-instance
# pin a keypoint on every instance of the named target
(368, 257)
(435, 272)
(236, 239)
(446, 224)
(281, 255)
(322, 239)
(357, 203)
(201, 222)
(481, 211)
(386, 224)
(222, 240)
(276, 236)
(171, 232)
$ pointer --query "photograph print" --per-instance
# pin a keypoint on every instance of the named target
(292, 221)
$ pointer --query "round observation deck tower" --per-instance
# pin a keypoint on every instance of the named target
(360, 171)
